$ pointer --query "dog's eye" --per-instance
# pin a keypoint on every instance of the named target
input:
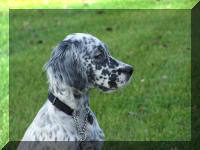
(99, 57)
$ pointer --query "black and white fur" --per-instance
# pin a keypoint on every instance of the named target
(79, 63)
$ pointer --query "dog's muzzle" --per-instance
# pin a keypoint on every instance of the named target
(128, 70)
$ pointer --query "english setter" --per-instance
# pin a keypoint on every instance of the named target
(79, 63)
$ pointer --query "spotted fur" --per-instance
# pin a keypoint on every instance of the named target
(79, 63)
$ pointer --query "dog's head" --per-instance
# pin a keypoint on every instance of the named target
(83, 61)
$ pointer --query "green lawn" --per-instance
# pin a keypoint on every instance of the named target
(155, 106)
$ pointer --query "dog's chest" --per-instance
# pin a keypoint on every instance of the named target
(61, 127)
(70, 130)
(94, 132)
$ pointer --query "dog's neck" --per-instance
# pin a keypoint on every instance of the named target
(73, 98)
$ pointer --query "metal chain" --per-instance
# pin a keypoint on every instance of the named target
(81, 131)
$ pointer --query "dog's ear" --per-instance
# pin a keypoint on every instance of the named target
(66, 65)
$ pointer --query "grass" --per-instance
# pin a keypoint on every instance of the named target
(145, 87)
(155, 106)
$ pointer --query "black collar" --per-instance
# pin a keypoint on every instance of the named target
(59, 104)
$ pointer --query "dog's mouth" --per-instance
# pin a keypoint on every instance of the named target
(113, 85)
(105, 89)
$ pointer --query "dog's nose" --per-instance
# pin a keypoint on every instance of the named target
(127, 69)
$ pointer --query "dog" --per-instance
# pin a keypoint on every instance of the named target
(78, 64)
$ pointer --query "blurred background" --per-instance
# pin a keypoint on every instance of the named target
(154, 106)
